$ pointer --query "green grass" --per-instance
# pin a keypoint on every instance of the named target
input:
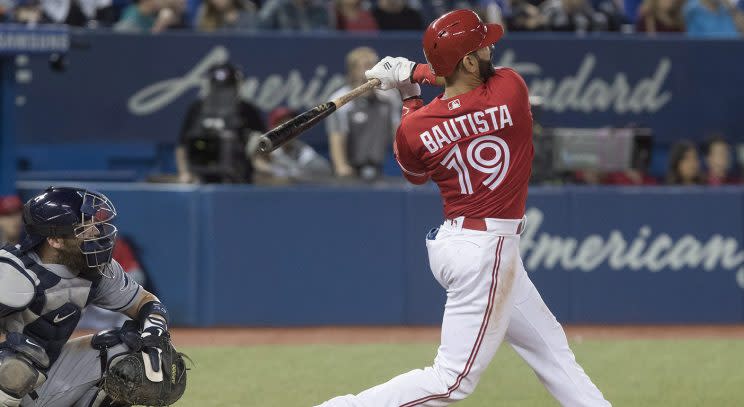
(634, 373)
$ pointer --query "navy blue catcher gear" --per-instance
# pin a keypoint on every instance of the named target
(73, 213)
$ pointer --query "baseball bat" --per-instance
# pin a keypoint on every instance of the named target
(287, 131)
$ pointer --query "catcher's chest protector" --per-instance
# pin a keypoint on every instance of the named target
(55, 309)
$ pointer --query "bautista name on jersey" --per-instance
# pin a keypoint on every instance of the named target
(471, 124)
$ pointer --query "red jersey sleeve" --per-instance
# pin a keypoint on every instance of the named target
(413, 169)
(411, 105)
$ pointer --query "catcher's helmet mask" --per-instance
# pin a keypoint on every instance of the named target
(73, 213)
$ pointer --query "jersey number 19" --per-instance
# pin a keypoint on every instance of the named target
(495, 166)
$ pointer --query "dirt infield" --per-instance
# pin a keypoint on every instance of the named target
(355, 335)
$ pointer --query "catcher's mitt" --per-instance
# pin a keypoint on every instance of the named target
(129, 377)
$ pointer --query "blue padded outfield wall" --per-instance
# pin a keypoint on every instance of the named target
(124, 96)
(346, 255)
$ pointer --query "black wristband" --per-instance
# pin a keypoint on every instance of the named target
(152, 307)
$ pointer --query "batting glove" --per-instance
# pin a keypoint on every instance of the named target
(392, 72)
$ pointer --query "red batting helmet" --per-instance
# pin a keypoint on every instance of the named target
(454, 35)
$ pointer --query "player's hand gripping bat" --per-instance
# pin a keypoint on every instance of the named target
(280, 135)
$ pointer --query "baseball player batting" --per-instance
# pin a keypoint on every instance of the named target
(64, 264)
(475, 142)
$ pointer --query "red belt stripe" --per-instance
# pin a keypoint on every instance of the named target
(479, 339)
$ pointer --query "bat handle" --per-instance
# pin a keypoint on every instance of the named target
(265, 145)
(356, 92)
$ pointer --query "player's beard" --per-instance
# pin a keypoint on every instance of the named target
(485, 69)
(73, 258)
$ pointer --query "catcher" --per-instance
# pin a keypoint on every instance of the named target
(63, 265)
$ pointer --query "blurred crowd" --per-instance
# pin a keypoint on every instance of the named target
(696, 17)
(220, 136)
(712, 163)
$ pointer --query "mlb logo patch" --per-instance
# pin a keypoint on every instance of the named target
(453, 104)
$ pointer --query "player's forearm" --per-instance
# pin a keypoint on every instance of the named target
(145, 297)
(338, 152)
(182, 164)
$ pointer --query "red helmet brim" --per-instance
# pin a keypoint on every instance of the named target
(494, 32)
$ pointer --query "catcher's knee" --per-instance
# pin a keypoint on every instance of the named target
(22, 363)
(18, 375)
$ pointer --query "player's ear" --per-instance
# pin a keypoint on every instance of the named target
(470, 63)
(56, 242)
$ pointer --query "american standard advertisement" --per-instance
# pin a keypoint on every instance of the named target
(587, 82)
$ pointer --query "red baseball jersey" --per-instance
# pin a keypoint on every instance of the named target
(476, 146)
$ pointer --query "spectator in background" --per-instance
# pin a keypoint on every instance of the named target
(6, 10)
(179, 7)
(352, 16)
(397, 15)
(216, 131)
(612, 11)
(637, 175)
(660, 16)
(572, 15)
(490, 11)
(294, 161)
(28, 12)
(360, 132)
(717, 153)
(526, 16)
(11, 219)
(222, 15)
(152, 16)
(300, 15)
(586, 177)
(79, 13)
(631, 176)
(713, 18)
(684, 164)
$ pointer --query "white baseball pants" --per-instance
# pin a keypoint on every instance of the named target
(489, 298)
